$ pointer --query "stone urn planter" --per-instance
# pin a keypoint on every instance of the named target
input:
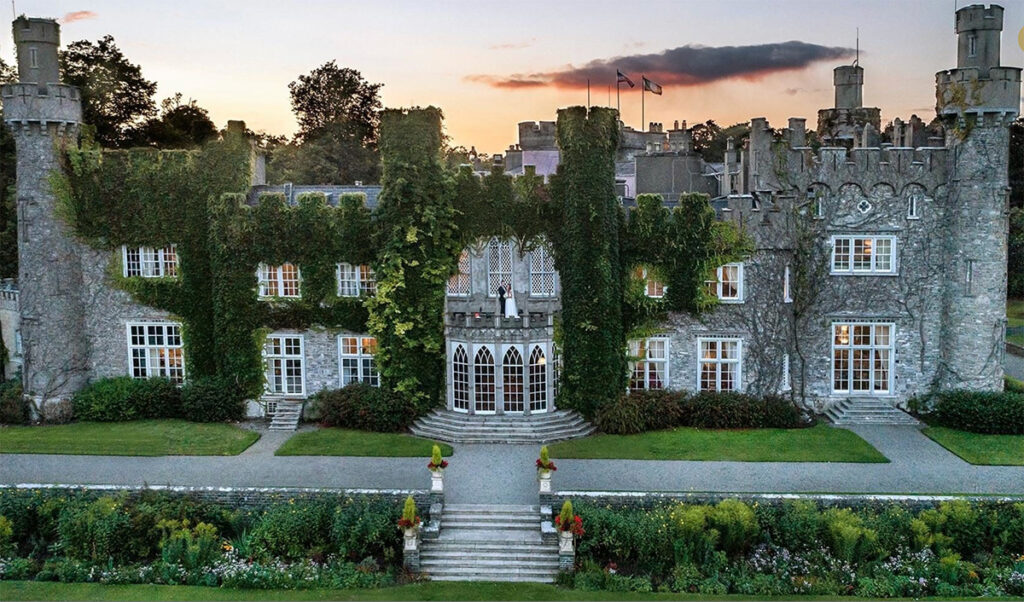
(544, 478)
(437, 480)
(565, 543)
(412, 537)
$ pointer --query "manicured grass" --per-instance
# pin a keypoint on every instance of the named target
(343, 442)
(993, 450)
(31, 590)
(820, 443)
(1015, 317)
(137, 438)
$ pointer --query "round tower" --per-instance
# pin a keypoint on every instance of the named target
(979, 29)
(977, 101)
(849, 83)
(37, 41)
(44, 116)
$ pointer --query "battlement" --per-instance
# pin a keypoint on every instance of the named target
(973, 90)
(537, 135)
(979, 17)
(36, 103)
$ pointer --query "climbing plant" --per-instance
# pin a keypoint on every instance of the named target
(417, 247)
(587, 256)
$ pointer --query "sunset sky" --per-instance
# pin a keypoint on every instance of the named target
(489, 65)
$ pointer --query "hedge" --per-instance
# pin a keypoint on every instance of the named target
(989, 412)
(124, 398)
(362, 407)
(642, 411)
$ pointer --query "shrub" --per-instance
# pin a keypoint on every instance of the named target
(189, 547)
(736, 523)
(363, 407)
(294, 530)
(14, 406)
(1012, 385)
(125, 398)
(988, 412)
(212, 399)
(58, 411)
(366, 529)
(642, 411)
(694, 542)
(796, 525)
(849, 539)
(94, 532)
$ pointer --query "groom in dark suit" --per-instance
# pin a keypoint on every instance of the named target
(502, 293)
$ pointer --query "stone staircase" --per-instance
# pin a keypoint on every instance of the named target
(286, 416)
(490, 543)
(861, 410)
(445, 425)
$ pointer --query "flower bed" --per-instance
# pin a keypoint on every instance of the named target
(958, 549)
(349, 543)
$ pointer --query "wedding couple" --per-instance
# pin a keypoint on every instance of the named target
(507, 300)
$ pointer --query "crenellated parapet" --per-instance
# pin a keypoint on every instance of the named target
(44, 104)
(972, 91)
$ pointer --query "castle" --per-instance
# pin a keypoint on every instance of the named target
(879, 270)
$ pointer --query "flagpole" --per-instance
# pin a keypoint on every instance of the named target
(618, 107)
(588, 92)
(643, 90)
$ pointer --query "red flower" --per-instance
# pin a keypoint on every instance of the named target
(550, 465)
(432, 466)
(576, 526)
(406, 523)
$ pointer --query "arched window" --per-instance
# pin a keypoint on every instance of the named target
(460, 379)
(512, 372)
(538, 380)
(499, 265)
(483, 379)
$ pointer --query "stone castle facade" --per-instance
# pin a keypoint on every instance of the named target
(879, 270)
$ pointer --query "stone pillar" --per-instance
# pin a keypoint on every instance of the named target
(566, 552)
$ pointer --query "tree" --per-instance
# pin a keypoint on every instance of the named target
(330, 95)
(180, 125)
(116, 99)
(8, 202)
(339, 115)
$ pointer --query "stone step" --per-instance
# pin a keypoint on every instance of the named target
(458, 555)
(513, 578)
(470, 562)
(854, 411)
(493, 508)
(512, 420)
(486, 547)
(446, 425)
(521, 429)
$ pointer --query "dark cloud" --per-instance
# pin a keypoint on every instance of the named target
(78, 15)
(683, 66)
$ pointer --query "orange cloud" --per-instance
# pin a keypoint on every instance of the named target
(78, 15)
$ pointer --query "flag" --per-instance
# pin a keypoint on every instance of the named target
(651, 86)
(623, 79)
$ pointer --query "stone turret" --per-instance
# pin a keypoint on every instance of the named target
(44, 116)
(849, 83)
(978, 100)
(844, 124)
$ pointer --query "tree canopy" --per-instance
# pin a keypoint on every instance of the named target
(179, 125)
(8, 208)
(116, 98)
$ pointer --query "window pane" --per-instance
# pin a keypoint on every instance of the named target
(841, 367)
(841, 261)
(883, 255)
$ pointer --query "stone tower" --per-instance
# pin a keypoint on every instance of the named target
(849, 123)
(977, 101)
(44, 116)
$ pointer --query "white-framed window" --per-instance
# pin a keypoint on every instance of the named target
(356, 358)
(461, 283)
(653, 288)
(483, 381)
(155, 350)
(862, 358)
(513, 394)
(150, 262)
(787, 296)
(460, 379)
(720, 365)
(542, 272)
(355, 280)
(863, 255)
(785, 385)
(649, 370)
(499, 265)
(728, 283)
(279, 281)
(913, 207)
(538, 380)
(285, 371)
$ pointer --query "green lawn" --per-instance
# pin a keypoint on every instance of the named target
(30, 590)
(996, 450)
(820, 443)
(138, 438)
(343, 442)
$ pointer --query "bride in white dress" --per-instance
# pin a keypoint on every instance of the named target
(511, 311)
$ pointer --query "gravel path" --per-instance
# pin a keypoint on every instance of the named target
(505, 473)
